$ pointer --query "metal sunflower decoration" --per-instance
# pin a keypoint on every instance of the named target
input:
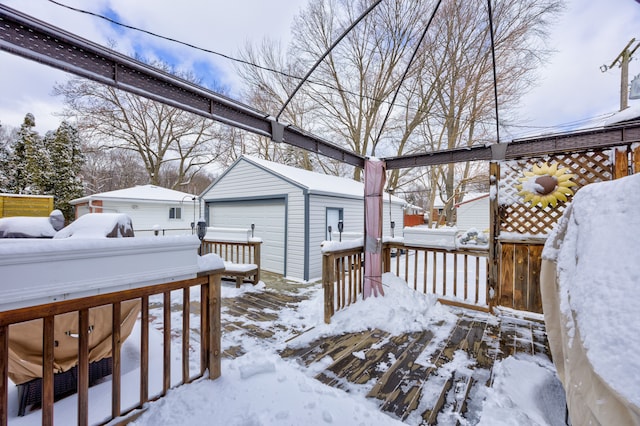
(546, 185)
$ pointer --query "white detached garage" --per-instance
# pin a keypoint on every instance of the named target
(291, 210)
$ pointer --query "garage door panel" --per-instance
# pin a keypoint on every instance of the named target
(269, 219)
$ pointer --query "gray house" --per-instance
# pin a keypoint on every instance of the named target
(291, 210)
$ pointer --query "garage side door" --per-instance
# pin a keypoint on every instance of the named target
(269, 219)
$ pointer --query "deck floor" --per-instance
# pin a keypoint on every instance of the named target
(413, 376)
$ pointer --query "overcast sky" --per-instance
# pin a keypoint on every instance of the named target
(571, 86)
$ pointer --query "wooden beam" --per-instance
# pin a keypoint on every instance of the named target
(607, 137)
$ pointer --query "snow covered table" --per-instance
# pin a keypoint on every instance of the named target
(590, 293)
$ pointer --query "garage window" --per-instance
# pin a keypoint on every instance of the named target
(175, 213)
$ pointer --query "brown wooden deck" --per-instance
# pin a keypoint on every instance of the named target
(412, 376)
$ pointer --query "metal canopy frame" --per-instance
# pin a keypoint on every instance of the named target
(30, 38)
(33, 39)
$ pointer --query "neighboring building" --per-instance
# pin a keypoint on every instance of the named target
(25, 205)
(473, 212)
(291, 210)
(150, 208)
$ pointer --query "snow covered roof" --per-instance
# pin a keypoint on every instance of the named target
(140, 193)
(316, 183)
(470, 197)
(629, 114)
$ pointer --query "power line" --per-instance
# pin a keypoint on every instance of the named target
(285, 74)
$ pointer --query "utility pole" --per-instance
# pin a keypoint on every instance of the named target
(623, 59)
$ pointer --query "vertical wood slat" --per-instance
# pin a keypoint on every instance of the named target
(343, 287)
(350, 265)
(47, 370)
(444, 273)
(535, 259)
(455, 275)
(620, 164)
(166, 370)
(406, 265)
(83, 367)
(144, 349)
(4, 374)
(186, 309)
(424, 273)
(434, 269)
(635, 159)
(115, 355)
(478, 282)
(506, 275)
(521, 276)
(415, 270)
(466, 276)
(215, 327)
(204, 328)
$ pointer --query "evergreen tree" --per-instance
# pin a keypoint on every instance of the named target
(5, 154)
(28, 160)
(61, 177)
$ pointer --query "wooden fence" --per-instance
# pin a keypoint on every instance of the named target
(210, 351)
(458, 277)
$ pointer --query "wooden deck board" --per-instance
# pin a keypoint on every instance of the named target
(394, 370)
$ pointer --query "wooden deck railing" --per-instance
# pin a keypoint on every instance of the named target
(232, 251)
(210, 350)
(342, 279)
(457, 277)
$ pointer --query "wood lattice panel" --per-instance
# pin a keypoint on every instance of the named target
(522, 218)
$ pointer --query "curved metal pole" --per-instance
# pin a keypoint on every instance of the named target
(406, 71)
(495, 78)
(335, 43)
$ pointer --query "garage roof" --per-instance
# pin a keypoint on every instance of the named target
(316, 183)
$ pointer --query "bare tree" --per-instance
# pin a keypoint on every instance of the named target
(110, 169)
(446, 99)
(162, 137)
(459, 50)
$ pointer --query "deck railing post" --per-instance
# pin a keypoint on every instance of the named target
(215, 331)
(328, 261)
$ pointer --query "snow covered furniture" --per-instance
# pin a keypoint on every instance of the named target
(80, 261)
(242, 271)
(31, 227)
(423, 236)
(589, 283)
(240, 252)
(25, 352)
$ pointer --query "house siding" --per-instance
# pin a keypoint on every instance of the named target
(473, 214)
(147, 215)
(245, 181)
(305, 223)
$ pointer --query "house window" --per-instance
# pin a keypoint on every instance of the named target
(175, 213)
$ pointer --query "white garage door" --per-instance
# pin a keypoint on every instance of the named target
(268, 217)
